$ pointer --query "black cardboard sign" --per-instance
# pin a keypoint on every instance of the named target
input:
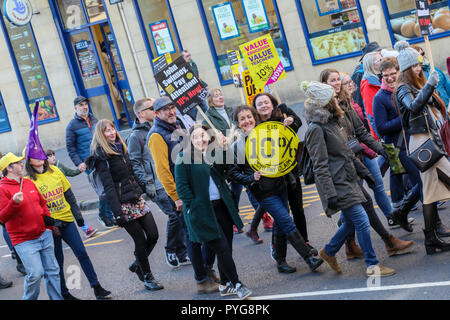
(181, 85)
(424, 17)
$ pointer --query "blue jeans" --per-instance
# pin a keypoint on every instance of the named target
(381, 196)
(354, 218)
(70, 235)
(175, 237)
(7, 239)
(236, 190)
(277, 206)
(38, 257)
(104, 212)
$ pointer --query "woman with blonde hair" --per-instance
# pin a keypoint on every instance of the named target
(109, 157)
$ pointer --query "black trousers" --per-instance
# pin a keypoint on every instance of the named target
(223, 246)
(145, 235)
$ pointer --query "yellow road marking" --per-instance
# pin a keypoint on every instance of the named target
(102, 243)
(100, 235)
(244, 207)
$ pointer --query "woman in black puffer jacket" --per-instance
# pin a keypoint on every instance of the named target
(109, 157)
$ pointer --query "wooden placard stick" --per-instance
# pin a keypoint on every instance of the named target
(429, 54)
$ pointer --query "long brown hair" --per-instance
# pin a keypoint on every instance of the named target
(343, 96)
(31, 171)
(99, 139)
(408, 77)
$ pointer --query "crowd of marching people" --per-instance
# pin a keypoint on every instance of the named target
(392, 101)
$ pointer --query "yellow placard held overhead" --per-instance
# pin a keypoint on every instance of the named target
(249, 87)
(272, 148)
(263, 61)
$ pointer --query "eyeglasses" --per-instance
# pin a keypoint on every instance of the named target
(390, 75)
(50, 154)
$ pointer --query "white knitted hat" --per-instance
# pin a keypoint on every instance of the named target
(319, 94)
(407, 56)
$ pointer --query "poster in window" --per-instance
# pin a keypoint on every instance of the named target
(31, 70)
(256, 15)
(4, 122)
(86, 59)
(328, 6)
(405, 25)
(161, 37)
(225, 21)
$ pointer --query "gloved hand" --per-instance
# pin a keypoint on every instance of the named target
(384, 154)
(433, 79)
(150, 190)
(333, 203)
(80, 222)
(121, 222)
(370, 181)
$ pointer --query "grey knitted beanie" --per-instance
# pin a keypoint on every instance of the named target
(407, 56)
(319, 94)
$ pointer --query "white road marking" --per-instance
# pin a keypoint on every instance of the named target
(354, 290)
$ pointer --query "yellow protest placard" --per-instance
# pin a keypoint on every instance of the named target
(263, 61)
(249, 87)
(272, 148)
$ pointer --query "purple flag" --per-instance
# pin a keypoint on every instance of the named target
(34, 149)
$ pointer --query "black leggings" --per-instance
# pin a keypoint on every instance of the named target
(223, 245)
(145, 235)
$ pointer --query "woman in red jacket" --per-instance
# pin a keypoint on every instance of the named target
(26, 216)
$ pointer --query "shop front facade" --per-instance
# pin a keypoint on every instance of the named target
(106, 51)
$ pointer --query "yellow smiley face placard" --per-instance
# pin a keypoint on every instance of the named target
(272, 149)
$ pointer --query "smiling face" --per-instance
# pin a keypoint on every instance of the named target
(200, 139)
(246, 121)
(110, 133)
(390, 77)
(168, 114)
(334, 80)
(348, 83)
(264, 107)
(217, 99)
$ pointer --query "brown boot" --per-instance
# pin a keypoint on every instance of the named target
(352, 250)
(398, 246)
(332, 262)
(207, 286)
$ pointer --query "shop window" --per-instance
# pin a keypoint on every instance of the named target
(29, 68)
(402, 19)
(95, 10)
(71, 13)
(230, 24)
(334, 29)
(4, 121)
(158, 28)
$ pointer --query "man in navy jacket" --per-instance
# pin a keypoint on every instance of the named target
(79, 134)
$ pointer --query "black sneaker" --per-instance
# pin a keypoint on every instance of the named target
(393, 225)
(151, 284)
(242, 291)
(227, 290)
(100, 293)
(184, 261)
(172, 261)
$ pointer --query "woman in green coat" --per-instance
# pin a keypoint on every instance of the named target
(208, 208)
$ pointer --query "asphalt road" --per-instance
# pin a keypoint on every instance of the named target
(418, 276)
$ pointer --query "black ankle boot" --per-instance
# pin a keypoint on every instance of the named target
(151, 284)
(69, 297)
(313, 263)
(134, 267)
(434, 243)
(283, 267)
(295, 238)
(280, 250)
(400, 215)
(101, 293)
